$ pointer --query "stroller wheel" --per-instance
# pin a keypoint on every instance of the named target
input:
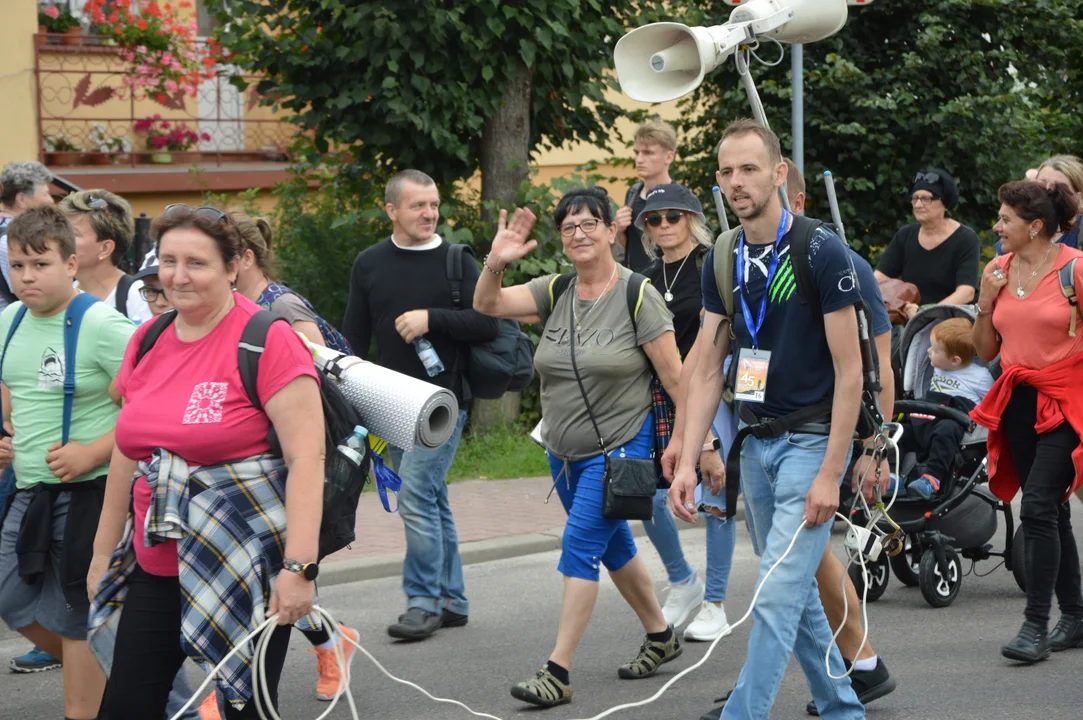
(906, 564)
(877, 573)
(940, 589)
(1019, 559)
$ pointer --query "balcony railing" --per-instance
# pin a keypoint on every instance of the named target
(87, 112)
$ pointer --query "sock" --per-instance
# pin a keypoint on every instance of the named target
(662, 637)
(560, 673)
(329, 644)
(866, 664)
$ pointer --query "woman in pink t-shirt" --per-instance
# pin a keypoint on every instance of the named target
(1034, 411)
(184, 402)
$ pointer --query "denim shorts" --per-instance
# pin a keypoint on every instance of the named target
(590, 540)
(43, 602)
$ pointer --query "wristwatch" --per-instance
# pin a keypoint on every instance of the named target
(309, 571)
(714, 444)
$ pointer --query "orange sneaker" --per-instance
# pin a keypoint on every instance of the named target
(330, 683)
(209, 709)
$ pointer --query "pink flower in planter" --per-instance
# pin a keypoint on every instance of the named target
(52, 11)
(171, 86)
(158, 142)
(205, 137)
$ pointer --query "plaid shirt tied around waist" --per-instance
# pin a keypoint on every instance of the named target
(229, 521)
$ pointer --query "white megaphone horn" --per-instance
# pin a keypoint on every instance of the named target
(664, 61)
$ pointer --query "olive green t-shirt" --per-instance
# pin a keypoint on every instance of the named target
(614, 369)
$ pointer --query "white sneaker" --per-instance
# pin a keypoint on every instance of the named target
(710, 624)
(683, 600)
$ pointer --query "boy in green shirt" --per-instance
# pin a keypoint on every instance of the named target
(60, 486)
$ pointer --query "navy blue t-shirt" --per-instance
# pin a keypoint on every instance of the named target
(870, 292)
(801, 372)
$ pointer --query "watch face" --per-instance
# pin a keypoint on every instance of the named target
(310, 571)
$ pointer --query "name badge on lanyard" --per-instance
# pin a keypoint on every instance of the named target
(753, 363)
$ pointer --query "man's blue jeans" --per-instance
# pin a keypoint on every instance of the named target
(788, 619)
(432, 573)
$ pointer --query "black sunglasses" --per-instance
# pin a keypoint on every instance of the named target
(209, 213)
(672, 217)
(931, 178)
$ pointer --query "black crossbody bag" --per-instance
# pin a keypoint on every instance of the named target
(628, 484)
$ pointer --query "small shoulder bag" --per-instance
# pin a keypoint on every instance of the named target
(628, 483)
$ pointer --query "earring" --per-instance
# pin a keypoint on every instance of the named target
(1034, 235)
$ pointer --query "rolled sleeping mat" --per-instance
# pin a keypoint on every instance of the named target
(402, 410)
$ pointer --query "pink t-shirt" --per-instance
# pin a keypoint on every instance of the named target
(1034, 330)
(187, 397)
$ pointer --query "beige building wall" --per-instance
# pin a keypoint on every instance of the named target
(18, 123)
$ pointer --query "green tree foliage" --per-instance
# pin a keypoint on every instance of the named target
(411, 83)
(983, 88)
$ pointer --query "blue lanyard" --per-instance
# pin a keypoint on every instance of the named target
(753, 323)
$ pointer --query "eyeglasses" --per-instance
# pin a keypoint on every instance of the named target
(931, 178)
(150, 294)
(209, 213)
(587, 226)
(924, 199)
(672, 217)
(97, 204)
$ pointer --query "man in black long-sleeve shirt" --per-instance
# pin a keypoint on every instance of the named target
(399, 292)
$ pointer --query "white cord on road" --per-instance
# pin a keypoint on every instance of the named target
(262, 636)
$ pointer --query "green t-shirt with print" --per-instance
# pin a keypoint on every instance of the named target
(33, 371)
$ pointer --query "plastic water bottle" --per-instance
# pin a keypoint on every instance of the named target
(425, 351)
(353, 447)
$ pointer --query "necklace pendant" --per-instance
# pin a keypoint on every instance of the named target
(668, 296)
(1020, 293)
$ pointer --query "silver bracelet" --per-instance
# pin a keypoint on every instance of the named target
(485, 262)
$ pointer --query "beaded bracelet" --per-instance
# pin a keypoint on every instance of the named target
(485, 262)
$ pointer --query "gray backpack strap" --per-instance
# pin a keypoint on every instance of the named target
(1066, 276)
(724, 248)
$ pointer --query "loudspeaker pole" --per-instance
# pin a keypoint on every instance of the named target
(797, 82)
(758, 114)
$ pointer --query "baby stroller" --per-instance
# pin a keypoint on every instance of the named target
(958, 522)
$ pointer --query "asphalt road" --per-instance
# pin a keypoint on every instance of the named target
(947, 661)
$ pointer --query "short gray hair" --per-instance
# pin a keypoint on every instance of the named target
(22, 177)
(697, 231)
(393, 191)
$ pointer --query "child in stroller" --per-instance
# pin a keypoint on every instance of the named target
(957, 382)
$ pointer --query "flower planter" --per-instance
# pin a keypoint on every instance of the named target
(161, 157)
(100, 158)
(72, 36)
(40, 38)
(61, 159)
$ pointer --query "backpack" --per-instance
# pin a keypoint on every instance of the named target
(343, 481)
(1066, 276)
(869, 419)
(332, 338)
(124, 285)
(665, 412)
(503, 364)
(73, 319)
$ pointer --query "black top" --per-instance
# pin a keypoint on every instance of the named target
(937, 272)
(635, 255)
(388, 281)
(684, 284)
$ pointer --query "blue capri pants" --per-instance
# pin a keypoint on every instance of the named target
(591, 540)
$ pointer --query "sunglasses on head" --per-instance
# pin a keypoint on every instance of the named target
(931, 178)
(208, 213)
(672, 217)
(97, 204)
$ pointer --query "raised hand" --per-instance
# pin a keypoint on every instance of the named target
(512, 241)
